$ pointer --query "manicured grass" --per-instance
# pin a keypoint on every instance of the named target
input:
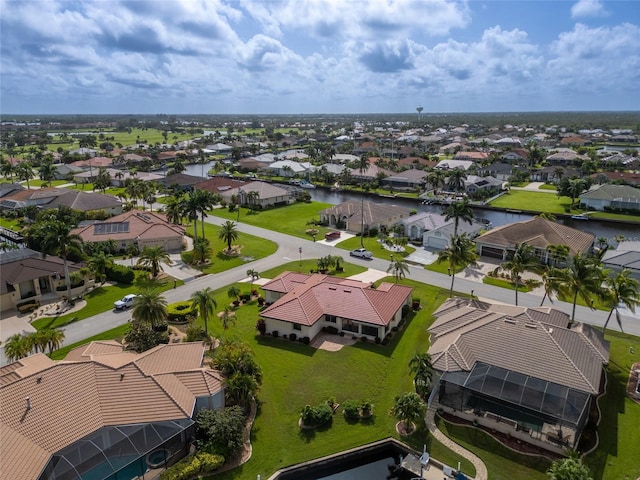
(40, 183)
(502, 283)
(443, 267)
(10, 223)
(502, 463)
(115, 333)
(532, 201)
(99, 300)
(307, 265)
(375, 247)
(290, 219)
(615, 216)
(253, 248)
(85, 187)
(295, 375)
(617, 454)
(546, 186)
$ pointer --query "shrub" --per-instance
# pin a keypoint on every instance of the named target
(201, 463)
(27, 307)
(181, 312)
(260, 301)
(292, 337)
(405, 310)
(120, 274)
(363, 338)
(261, 327)
(351, 409)
(195, 333)
(306, 340)
(245, 297)
(209, 462)
(331, 329)
(220, 431)
(275, 334)
(315, 416)
(378, 340)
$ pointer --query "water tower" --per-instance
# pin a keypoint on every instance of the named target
(419, 110)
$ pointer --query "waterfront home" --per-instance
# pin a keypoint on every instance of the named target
(353, 214)
(601, 197)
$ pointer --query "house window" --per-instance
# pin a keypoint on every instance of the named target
(350, 326)
(371, 331)
(330, 318)
(297, 326)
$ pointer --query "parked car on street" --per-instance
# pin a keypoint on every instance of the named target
(361, 253)
(125, 302)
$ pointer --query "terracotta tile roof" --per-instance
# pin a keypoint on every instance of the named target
(133, 224)
(531, 341)
(70, 399)
(306, 303)
(539, 233)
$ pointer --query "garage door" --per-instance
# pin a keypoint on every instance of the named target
(491, 252)
(435, 242)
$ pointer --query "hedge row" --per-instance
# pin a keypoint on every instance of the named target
(181, 312)
(120, 274)
(190, 467)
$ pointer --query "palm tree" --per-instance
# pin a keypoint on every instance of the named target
(227, 317)
(228, 233)
(57, 239)
(582, 278)
(6, 168)
(149, 307)
(103, 180)
(456, 179)
(409, 409)
(363, 166)
(174, 209)
(206, 304)
(191, 210)
(576, 187)
(24, 172)
(201, 250)
(399, 268)
(98, 263)
(460, 252)
(558, 253)
(254, 275)
(436, 178)
(523, 259)
(205, 200)
(152, 257)
(47, 172)
(55, 337)
(252, 197)
(234, 292)
(422, 370)
(16, 347)
(550, 281)
(459, 211)
(621, 289)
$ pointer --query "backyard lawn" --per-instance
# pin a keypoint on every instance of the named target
(532, 201)
(290, 219)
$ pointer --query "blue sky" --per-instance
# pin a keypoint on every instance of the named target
(318, 56)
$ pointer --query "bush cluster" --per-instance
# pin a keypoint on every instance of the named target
(181, 312)
(190, 467)
(120, 274)
(316, 416)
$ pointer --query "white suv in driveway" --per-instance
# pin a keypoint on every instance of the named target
(125, 302)
(361, 253)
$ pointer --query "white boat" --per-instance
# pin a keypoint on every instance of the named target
(581, 216)
(305, 184)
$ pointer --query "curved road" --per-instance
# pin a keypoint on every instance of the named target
(288, 251)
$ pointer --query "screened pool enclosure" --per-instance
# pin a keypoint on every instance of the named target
(545, 410)
(121, 452)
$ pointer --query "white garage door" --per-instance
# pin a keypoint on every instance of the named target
(435, 242)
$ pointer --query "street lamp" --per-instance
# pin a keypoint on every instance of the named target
(449, 271)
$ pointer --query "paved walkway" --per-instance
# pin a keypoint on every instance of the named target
(481, 468)
(534, 187)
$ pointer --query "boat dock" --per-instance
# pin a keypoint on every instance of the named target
(425, 468)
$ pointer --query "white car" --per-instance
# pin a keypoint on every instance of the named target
(125, 302)
(361, 253)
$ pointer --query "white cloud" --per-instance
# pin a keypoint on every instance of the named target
(588, 8)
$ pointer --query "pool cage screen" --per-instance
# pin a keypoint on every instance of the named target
(527, 400)
(121, 452)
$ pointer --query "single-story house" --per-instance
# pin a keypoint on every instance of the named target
(370, 174)
(500, 170)
(349, 215)
(103, 412)
(219, 185)
(600, 197)
(289, 168)
(473, 156)
(144, 229)
(452, 164)
(266, 195)
(435, 230)
(537, 232)
(474, 184)
(218, 148)
(525, 372)
(26, 277)
(406, 180)
(553, 174)
(185, 182)
(626, 161)
(48, 198)
(625, 178)
(625, 256)
(303, 304)
(565, 156)
(64, 171)
(93, 163)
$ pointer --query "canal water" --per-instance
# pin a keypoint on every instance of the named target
(608, 230)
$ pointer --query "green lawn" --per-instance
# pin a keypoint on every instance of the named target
(253, 248)
(532, 201)
(546, 186)
(40, 183)
(443, 267)
(375, 247)
(85, 187)
(617, 455)
(502, 283)
(10, 223)
(290, 219)
(362, 371)
(115, 333)
(307, 265)
(615, 216)
(99, 300)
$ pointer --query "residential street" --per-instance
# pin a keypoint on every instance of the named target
(288, 251)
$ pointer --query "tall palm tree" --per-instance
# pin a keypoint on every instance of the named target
(459, 211)
(24, 172)
(461, 251)
(174, 209)
(409, 408)
(228, 233)
(47, 172)
(57, 239)
(55, 337)
(204, 300)
(523, 259)
(201, 250)
(576, 187)
(422, 370)
(456, 178)
(558, 254)
(153, 257)
(550, 282)
(436, 178)
(363, 166)
(399, 268)
(103, 180)
(149, 307)
(191, 210)
(7, 169)
(621, 289)
(16, 347)
(98, 263)
(582, 278)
